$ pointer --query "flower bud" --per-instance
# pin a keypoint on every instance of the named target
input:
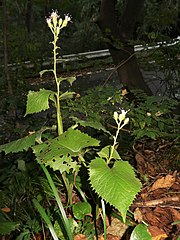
(54, 17)
(126, 121)
(48, 20)
(57, 30)
(116, 116)
(60, 22)
(122, 115)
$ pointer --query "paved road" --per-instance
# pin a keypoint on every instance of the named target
(91, 79)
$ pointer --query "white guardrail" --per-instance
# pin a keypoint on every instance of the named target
(88, 55)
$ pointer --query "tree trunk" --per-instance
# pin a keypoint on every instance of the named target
(29, 16)
(5, 51)
(118, 34)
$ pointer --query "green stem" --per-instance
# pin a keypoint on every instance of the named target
(68, 186)
(58, 107)
(114, 144)
(58, 112)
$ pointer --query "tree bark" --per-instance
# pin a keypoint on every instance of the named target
(29, 16)
(118, 35)
(5, 51)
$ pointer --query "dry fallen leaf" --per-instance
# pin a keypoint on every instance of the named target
(112, 237)
(80, 237)
(138, 215)
(124, 92)
(157, 233)
(100, 237)
(5, 209)
(117, 228)
(164, 182)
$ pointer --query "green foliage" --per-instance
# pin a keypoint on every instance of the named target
(24, 143)
(19, 145)
(46, 219)
(81, 209)
(117, 185)
(110, 178)
(8, 227)
(91, 123)
(151, 116)
(38, 101)
(140, 232)
(58, 152)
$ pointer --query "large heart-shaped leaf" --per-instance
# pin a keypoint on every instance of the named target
(117, 185)
(38, 101)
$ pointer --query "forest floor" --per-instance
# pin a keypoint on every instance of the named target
(157, 165)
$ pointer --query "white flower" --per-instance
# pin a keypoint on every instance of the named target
(66, 20)
(54, 14)
(48, 20)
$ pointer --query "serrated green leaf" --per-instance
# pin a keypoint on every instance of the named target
(57, 152)
(19, 145)
(91, 123)
(8, 227)
(38, 101)
(66, 95)
(43, 71)
(105, 153)
(81, 209)
(140, 232)
(75, 140)
(64, 164)
(117, 185)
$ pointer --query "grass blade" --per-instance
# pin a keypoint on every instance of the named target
(46, 218)
(104, 217)
(61, 208)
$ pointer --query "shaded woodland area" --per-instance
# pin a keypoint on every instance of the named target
(90, 146)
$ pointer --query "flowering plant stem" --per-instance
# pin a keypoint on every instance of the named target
(121, 121)
(58, 107)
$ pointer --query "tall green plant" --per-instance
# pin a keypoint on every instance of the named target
(111, 178)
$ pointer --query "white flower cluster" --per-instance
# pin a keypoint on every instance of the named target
(121, 117)
(55, 23)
